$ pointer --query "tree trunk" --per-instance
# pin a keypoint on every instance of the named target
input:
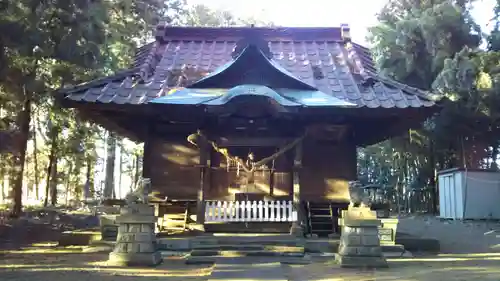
(54, 180)
(68, 182)
(35, 160)
(109, 184)
(432, 180)
(88, 193)
(137, 171)
(3, 164)
(50, 166)
(24, 126)
(120, 172)
(47, 182)
(494, 156)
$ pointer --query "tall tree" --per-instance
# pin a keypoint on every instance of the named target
(44, 44)
(413, 42)
(202, 15)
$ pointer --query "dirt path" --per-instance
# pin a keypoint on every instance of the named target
(472, 255)
(445, 268)
(455, 236)
(49, 264)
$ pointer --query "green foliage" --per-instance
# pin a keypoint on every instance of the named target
(434, 45)
(202, 15)
(46, 45)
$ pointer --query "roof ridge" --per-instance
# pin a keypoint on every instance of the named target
(120, 75)
(412, 90)
(149, 65)
(367, 74)
(163, 31)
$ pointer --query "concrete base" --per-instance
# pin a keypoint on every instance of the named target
(135, 259)
(246, 260)
(296, 230)
(197, 227)
(79, 237)
(361, 262)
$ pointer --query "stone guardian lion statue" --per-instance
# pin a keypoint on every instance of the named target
(141, 193)
(357, 195)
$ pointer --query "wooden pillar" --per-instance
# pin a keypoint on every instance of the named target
(296, 228)
(146, 156)
(204, 171)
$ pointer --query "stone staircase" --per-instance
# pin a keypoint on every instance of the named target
(247, 249)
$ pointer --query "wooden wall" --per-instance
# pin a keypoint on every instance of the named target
(172, 168)
(326, 170)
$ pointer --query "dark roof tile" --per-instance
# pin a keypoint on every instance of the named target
(343, 67)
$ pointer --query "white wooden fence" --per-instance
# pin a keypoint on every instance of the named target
(249, 211)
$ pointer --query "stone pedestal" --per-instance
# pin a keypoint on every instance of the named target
(136, 240)
(109, 228)
(359, 241)
(387, 231)
(296, 230)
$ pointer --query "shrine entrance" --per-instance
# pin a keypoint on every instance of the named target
(255, 183)
(259, 179)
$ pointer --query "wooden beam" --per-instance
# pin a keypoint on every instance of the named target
(225, 141)
(108, 124)
(204, 181)
(296, 228)
(148, 151)
(370, 132)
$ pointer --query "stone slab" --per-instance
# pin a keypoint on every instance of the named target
(246, 260)
(135, 259)
(273, 271)
(78, 238)
(107, 219)
(359, 222)
(361, 262)
(247, 253)
(359, 213)
(392, 255)
(137, 209)
(174, 244)
(135, 219)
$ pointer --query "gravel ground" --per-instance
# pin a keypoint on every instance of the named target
(470, 253)
(455, 236)
(69, 264)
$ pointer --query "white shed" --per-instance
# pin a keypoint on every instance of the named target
(469, 194)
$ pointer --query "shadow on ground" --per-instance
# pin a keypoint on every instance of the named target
(70, 264)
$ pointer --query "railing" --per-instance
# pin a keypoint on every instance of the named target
(249, 211)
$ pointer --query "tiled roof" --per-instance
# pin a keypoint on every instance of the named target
(321, 57)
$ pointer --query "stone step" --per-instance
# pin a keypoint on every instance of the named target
(246, 260)
(276, 240)
(245, 243)
(285, 248)
(245, 253)
(174, 217)
(249, 250)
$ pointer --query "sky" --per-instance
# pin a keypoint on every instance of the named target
(358, 14)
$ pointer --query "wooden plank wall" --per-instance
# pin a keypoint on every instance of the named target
(326, 170)
(173, 169)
